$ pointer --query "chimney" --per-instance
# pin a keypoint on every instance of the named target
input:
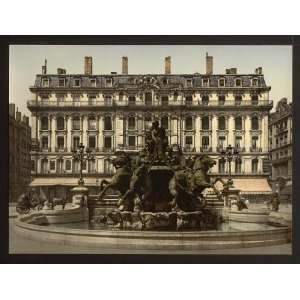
(44, 68)
(168, 65)
(18, 116)
(124, 65)
(12, 108)
(61, 71)
(209, 64)
(258, 70)
(88, 65)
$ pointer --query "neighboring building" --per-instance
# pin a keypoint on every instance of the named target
(200, 112)
(19, 153)
(280, 146)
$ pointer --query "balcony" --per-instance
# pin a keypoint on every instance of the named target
(155, 103)
(205, 149)
(255, 149)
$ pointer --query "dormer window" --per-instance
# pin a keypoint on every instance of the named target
(108, 82)
(255, 82)
(165, 81)
(222, 82)
(238, 82)
(205, 82)
(45, 82)
(61, 82)
(77, 83)
(93, 82)
(189, 83)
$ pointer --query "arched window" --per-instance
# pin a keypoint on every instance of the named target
(121, 96)
(222, 123)
(92, 123)
(254, 123)
(148, 122)
(131, 123)
(44, 123)
(205, 100)
(107, 123)
(238, 166)
(205, 142)
(238, 123)
(76, 123)
(45, 143)
(222, 165)
(60, 123)
(44, 165)
(254, 165)
(175, 96)
(254, 99)
(205, 123)
(68, 165)
(164, 122)
(131, 100)
(188, 123)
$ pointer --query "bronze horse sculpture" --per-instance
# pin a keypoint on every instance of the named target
(121, 180)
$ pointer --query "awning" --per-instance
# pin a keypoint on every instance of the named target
(64, 181)
(252, 185)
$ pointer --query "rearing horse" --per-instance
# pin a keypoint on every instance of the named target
(121, 180)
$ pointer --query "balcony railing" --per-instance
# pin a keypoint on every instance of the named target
(106, 103)
(255, 149)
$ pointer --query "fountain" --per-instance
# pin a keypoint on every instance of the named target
(165, 202)
(159, 190)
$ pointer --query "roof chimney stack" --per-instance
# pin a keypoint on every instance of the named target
(18, 116)
(168, 65)
(209, 64)
(44, 68)
(12, 109)
(88, 65)
(125, 65)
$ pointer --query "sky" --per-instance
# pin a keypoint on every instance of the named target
(25, 61)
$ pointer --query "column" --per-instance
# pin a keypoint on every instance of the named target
(247, 133)
(264, 133)
(100, 132)
(231, 130)
(69, 134)
(119, 130)
(84, 130)
(197, 132)
(214, 137)
(53, 133)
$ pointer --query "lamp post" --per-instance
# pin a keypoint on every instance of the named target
(229, 154)
(97, 185)
(81, 156)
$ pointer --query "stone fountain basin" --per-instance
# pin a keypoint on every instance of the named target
(151, 240)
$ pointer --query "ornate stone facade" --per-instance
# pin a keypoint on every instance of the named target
(280, 144)
(19, 153)
(200, 112)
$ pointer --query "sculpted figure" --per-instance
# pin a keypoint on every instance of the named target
(121, 180)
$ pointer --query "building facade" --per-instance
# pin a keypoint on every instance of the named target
(200, 112)
(19, 153)
(280, 144)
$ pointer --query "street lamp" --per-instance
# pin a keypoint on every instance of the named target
(79, 155)
(229, 154)
(97, 185)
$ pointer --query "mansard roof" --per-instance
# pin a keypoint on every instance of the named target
(158, 80)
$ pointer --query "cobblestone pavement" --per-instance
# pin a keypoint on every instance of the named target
(19, 245)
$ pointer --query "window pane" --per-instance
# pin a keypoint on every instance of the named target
(107, 142)
(188, 123)
(205, 123)
(92, 142)
(107, 123)
(222, 123)
(60, 123)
